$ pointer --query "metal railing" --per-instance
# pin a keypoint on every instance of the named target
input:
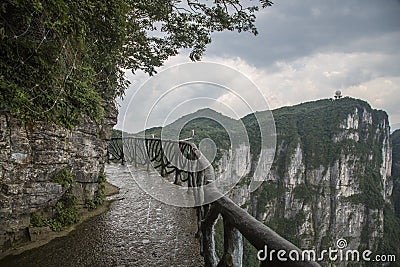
(190, 168)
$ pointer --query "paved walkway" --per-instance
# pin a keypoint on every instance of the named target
(136, 231)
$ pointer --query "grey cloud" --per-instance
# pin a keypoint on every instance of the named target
(292, 29)
(182, 89)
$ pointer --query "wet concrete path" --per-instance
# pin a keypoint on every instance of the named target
(137, 231)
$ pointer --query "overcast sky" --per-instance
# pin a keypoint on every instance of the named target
(305, 50)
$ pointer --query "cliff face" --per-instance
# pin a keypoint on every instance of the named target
(32, 155)
(330, 178)
(235, 164)
(395, 137)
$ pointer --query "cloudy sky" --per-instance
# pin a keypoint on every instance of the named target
(305, 50)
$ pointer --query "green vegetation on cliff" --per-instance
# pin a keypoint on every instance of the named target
(391, 241)
(59, 59)
(395, 137)
(328, 132)
(206, 123)
(313, 125)
(99, 195)
(63, 178)
(66, 210)
(65, 213)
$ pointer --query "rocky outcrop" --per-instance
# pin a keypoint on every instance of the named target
(31, 154)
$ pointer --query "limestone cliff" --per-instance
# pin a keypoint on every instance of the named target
(32, 154)
(330, 178)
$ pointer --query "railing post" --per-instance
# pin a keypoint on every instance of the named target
(134, 152)
(122, 153)
(178, 180)
(207, 229)
(148, 154)
(210, 256)
(163, 171)
(233, 246)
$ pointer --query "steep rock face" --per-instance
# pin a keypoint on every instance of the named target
(32, 154)
(395, 137)
(330, 178)
(233, 165)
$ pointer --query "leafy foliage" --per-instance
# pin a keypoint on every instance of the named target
(99, 195)
(116, 133)
(219, 237)
(65, 210)
(63, 178)
(391, 237)
(65, 214)
(62, 59)
(391, 229)
(37, 220)
(249, 254)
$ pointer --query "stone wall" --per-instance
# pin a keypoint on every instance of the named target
(32, 153)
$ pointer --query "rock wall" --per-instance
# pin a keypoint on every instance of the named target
(230, 168)
(313, 206)
(32, 153)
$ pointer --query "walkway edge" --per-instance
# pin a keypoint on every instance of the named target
(85, 214)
